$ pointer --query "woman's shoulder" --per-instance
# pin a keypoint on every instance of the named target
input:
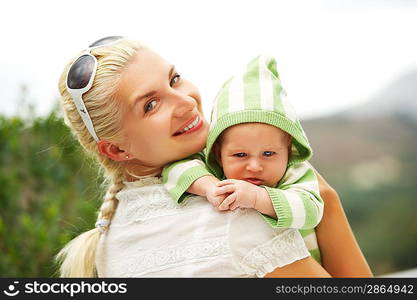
(164, 237)
(143, 181)
(149, 188)
(258, 248)
(143, 201)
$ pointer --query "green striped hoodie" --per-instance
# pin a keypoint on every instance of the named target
(256, 95)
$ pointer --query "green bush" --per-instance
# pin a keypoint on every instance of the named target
(49, 193)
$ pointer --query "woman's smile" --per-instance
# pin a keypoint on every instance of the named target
(190, 126)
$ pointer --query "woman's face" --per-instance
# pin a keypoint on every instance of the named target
(162, 119)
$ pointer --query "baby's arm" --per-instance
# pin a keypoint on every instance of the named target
(180, 175)
(206, 186)
(245, 195)
(191, 176)
(295, 204)
(297, 201)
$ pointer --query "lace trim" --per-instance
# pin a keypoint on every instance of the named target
(141, 204)
(282, 250)
(164, 258)
(144, 181)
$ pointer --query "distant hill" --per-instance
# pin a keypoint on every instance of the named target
(383, 130)
(400, 98)
(369, 154)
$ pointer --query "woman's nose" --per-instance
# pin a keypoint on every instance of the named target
(183, 104)
(254, 165)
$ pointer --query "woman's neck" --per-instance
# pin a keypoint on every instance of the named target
(136, 170)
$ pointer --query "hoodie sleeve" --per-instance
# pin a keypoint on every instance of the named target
(296, 200)
(178, 176)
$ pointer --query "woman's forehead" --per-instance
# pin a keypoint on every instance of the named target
(143, 74)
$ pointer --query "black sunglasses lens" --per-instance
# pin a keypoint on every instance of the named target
(105, 40)
(80, 73)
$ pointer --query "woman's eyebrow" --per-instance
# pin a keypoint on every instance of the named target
(151, 93)
(147, 95)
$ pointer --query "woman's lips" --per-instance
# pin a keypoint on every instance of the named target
(198, 123)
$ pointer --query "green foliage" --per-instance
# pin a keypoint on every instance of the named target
(49, 193)
(384, 221)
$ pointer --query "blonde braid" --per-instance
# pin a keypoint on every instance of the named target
(110, 202)
(77, 258)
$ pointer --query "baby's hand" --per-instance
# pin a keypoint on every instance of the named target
(213, 195)
(239, 194)
(206, 186)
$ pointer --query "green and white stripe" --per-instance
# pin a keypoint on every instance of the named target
(310, 239)
(296, 199)
(256, 95)
(178, 176)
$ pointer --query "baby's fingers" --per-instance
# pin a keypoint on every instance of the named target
(225, 182)
(226, 202)
(234, 205)
(227, 189)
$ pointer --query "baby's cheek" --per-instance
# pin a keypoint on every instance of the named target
(274, 176)
(232, 171)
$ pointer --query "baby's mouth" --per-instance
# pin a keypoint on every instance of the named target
(255, 181)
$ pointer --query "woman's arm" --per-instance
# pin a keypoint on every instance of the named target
(306, 267)
(341, 255)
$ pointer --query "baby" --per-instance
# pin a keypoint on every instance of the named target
(256, 156)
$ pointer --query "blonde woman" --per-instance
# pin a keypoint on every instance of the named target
(132, 111)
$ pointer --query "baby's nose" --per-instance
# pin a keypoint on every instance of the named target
(254, 165)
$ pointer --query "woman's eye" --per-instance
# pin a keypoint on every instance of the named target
(268, 153)
(175, 79)
(241, 154)
(150, 105)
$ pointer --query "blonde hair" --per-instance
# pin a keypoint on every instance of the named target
(77, 258)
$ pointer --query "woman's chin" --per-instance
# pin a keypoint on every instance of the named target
(193, 149)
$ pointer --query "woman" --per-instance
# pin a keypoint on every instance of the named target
(135, 114)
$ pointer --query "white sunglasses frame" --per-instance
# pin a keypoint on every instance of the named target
(77, 94)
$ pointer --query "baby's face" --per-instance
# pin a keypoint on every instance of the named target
(254, 152)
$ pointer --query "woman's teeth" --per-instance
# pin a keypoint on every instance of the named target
(191, 125)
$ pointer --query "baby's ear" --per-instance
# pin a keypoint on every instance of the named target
(217, 153)
(289, 144)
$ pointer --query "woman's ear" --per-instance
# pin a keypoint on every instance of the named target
(112, 151)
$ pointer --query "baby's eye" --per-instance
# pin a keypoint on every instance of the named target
(150, 105)
(268, 153)
(240, 154)
(175, 79)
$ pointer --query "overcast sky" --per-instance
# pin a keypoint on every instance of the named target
(331, 54)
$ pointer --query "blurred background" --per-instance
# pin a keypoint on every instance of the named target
(349, 68)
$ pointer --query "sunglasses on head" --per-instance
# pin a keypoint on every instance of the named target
(80, 78)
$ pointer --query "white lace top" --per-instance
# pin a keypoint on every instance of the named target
(152, 236)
